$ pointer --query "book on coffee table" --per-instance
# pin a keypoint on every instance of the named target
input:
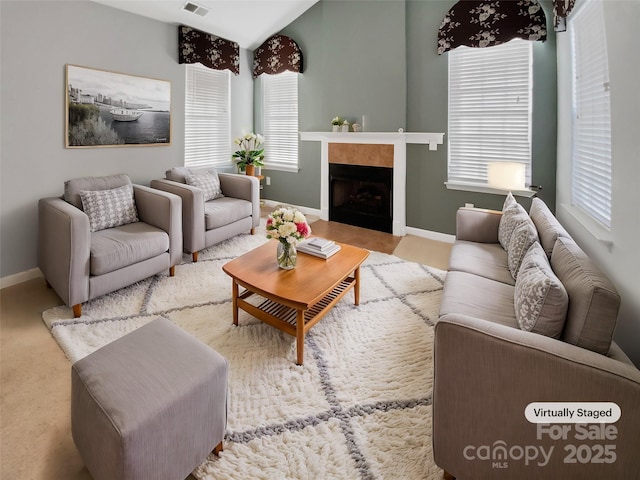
(320, 247)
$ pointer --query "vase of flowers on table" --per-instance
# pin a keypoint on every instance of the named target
(251, 152)
(288, 226)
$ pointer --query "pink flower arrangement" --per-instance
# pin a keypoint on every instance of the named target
(287, 225)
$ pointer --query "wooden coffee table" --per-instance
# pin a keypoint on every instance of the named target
(294, 300)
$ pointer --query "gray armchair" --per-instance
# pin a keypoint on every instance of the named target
(81, 259)
(207, 222)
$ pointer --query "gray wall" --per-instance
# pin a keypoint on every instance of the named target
(38, 39)
(622, 262)
(379, 59)
(355, 65)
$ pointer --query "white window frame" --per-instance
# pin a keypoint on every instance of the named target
(490, 94)
(207, 123)
(591, 163)
(280, 121)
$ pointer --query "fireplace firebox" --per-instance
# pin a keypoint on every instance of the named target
(361, 195)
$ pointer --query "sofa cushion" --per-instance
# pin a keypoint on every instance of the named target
(109, 208)
(549, 229)
(479, 297)
(73, 187)
(177, 174)
(225, 210)
(593, 300)
(119, 247)
(511, 218)
(522, 238)
(540, 299)
(488, 260)
(208, 182)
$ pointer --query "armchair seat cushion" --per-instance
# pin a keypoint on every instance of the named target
(118, 247)
(224, 211)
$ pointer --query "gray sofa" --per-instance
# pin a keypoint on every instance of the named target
(81, 259)
(207, 221)
(492, 359)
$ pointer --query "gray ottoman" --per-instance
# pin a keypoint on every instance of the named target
(150, 405)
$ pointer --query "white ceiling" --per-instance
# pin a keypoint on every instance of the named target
(248, 22)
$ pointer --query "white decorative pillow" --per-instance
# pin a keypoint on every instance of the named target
(540, 299)
(208, 182)
(109, 208)
(512, 217)
(522, 238)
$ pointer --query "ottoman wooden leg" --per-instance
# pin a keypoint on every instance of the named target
(218, 448)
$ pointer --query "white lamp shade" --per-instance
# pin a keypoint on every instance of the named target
(507, 175)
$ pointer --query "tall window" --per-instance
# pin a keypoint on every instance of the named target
(207, 129)
(591, 149)
(280, 108)
(489, 110)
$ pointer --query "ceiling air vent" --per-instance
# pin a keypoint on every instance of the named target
(193, 8)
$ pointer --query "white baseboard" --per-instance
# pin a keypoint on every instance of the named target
(437, 236)
(305, 210)
(20, 277)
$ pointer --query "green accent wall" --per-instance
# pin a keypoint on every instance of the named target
(378, 59)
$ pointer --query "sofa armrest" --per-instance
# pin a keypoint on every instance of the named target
(162, 210)
(246, 187)
(477, 225)
(64, 245)
(485, 374)
(193, 226)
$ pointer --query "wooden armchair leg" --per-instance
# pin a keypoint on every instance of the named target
(217, 449)
(194, 256)
(447, 476)
(172, 271)
(253, 231)
(77, 310)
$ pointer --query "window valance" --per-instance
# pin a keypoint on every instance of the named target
(561, 10)
(214, 52)
(488, 23)
(276, 55)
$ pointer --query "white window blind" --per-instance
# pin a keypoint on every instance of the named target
(207, 129)
(280, 109)
(591, 152)
(489, 110)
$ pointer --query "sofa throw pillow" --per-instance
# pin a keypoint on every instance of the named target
(522, 238)
(549, 228)
(511, 218)
(540, 299)
(208, 182)
(109, 208)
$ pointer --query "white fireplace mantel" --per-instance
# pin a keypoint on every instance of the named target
(399, 141)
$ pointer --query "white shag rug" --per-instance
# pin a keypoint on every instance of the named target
(359, 408)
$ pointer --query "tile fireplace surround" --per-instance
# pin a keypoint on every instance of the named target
(399, 141)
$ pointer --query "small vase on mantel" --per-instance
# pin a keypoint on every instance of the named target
(345, 128)
(335, 128)
(287, 255)
(250, 169)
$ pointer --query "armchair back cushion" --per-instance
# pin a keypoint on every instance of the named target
(73, 187)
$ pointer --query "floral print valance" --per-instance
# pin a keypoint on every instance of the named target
(488, 23)
(214, 52)
(561, 10)
(277, 54)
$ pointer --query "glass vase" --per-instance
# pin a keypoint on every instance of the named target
(287, 255)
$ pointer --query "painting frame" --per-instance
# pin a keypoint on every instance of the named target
(104, 108)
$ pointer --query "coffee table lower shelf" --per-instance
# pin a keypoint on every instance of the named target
(294, 321)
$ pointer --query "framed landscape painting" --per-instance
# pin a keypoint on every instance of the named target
(109, 109)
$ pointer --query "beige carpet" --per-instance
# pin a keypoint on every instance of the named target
(360, 407)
